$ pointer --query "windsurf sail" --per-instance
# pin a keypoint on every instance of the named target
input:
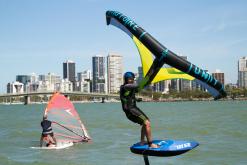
(66, 123)
(152, 67)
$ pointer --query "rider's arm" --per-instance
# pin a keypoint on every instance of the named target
(131, 87)
(143, 83)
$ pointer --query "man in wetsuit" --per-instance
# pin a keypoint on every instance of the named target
(47, 135)
(133, 113)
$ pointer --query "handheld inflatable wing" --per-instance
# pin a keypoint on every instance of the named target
(153, 71)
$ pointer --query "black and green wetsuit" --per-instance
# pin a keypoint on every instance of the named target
(128, 99)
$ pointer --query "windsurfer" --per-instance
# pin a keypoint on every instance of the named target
(47, 135)
(133, 113)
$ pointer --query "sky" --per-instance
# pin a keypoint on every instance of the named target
(37, 36)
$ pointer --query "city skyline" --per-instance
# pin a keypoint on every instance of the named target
(36, 36)
(218, 74)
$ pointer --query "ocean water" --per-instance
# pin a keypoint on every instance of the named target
(219, 126)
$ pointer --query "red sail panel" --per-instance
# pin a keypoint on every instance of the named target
(66, 122)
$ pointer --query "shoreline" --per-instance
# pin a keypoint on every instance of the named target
(195, 99)
(144, 100)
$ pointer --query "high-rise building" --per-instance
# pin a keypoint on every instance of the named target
(184, 85)
(69, 70)
(50, 77)
(242, 72)
(24, 79)
(181, 84)
(84, 81)
(65, 86)
(99, 82)
(84, 76)
(140, 75)
(33, 85)
(114, 72)
(15, 87)
(159, 86)
(174, 86)
(220, 76)
(49, 82)
(196, 85)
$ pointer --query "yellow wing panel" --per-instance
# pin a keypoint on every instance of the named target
(164, 73)
(145, 54)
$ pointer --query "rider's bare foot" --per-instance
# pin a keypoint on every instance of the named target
(51, 145)
(153, 145)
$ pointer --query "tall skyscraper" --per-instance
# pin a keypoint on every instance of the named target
(159, 86)
(84, 81)
(49, 82)
(84, 76)
(24, 79)
(220, 76)
(184, 85)
(140, 75)
(34, 83)
(181, 84)
(114, 72)
(51, 78)
(197, 86)
(15, 87)
(33, 78)
(69, 70)
(242, 72)
(99, 82)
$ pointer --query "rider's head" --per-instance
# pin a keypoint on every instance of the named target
(129, 77)
(45, 117)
